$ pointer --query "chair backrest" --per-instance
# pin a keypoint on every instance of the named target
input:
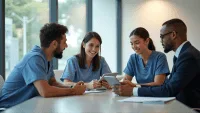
(58, 74)
(1, 83)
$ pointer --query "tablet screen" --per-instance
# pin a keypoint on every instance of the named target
(112, 80)
(108, 74)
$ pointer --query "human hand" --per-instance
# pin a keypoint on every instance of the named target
(124, 89)
(129, 83)
(105, 84)
(79, 88)
(93, 84)
(96, 84)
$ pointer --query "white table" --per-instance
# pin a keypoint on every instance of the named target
(105, 102)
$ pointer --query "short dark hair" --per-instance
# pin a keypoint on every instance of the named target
(82, 55)
(144, 34)
(178, 25)
(50, 32)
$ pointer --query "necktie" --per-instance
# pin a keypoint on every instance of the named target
(174, 59)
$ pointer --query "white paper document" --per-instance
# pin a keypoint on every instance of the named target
(94, 91)
(148, 99)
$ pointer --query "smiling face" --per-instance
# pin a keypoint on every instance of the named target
(139, 45)
(92, 48)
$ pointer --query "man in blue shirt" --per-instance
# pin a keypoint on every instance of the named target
(34, 75)
(185, 76)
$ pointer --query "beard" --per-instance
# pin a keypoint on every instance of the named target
(168, 48)
(58, 53)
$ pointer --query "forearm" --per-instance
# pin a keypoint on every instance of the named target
(57, 84)
(53, 91)
(69, 83)
(151, 84)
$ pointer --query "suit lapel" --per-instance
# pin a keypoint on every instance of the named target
(185, 46)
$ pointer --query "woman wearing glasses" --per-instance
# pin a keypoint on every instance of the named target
(148, 66)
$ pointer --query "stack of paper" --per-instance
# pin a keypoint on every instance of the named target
(148, 99)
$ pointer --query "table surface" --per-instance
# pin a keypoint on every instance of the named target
(104, 102)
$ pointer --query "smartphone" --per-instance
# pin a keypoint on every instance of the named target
(107, 74)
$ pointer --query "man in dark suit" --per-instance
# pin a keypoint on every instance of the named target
(184, 81)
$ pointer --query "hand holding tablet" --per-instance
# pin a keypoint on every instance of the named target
(110, 78)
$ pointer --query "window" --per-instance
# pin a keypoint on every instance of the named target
(72, 13)
(23, 20)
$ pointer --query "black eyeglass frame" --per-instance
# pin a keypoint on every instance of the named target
(162, 36)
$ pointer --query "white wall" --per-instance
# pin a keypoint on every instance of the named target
(104, 23)
(151, 14)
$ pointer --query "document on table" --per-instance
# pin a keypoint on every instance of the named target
(94, 91)
(148, 99)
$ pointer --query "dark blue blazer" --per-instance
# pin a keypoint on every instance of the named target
(184, 81)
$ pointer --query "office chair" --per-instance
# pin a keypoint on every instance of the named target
(1, 83)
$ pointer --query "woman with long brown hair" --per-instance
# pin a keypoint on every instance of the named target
(87, 66)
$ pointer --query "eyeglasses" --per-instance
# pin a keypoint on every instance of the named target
(162, 36)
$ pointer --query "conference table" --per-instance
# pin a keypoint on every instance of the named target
(103, 102)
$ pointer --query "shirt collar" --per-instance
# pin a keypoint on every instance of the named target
(179, 49)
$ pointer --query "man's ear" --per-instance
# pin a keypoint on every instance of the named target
(54, 44)
(174, 34)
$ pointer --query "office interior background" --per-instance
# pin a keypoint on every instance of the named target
(21, 20)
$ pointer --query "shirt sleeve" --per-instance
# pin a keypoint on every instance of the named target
(104, 68)
(129, 69)
(34, 70)
(162, 65)
(70, 71)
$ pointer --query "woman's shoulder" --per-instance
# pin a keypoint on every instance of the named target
(134, 56)
(73, 59)
(102, 59)
(158, 54)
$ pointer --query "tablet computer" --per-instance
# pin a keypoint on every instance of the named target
(112, 80)
(108, 74)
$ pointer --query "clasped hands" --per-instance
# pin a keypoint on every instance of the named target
(124, 89)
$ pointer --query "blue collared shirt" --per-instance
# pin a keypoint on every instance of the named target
(178, 50)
